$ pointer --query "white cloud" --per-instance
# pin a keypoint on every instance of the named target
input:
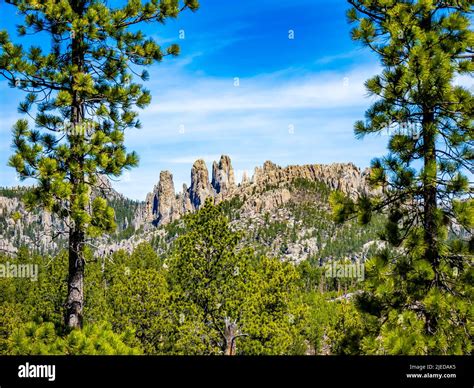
(265, 92)
(465, 80)
(249, 123)
(341, 56)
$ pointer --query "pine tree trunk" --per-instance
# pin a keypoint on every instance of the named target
(430, 205)
(230, 333)
(75, 296)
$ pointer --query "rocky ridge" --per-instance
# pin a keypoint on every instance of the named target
(40, 230)
(279, 216)
(20, 227)
(265, 191)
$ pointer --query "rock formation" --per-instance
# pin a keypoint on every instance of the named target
(268, 188)
(187, 206)
(26, 228)
(200, 188)
(261, 205)
(166, 204)
(345, 177)
(223, 178)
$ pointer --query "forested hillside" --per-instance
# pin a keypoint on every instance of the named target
(296, 259)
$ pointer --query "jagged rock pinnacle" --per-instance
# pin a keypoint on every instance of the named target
(200, 188)
(223, 175)
(166, 198)
(267, 189)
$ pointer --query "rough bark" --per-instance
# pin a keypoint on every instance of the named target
(75, 293)
(75, 297)
(230, 333)
(430, 193)
(430, 205)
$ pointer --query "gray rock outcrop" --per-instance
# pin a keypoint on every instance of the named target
(200, 188)
(266, 190)
(223, 178)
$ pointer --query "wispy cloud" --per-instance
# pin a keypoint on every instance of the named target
(283, 107)
(289, 116)
(327, 59)
(320, 91)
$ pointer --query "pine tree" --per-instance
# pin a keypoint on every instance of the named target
(423, 45)
(80, 96)
(226, 299)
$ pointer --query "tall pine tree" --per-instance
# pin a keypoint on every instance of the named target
(225, 298)
(80, 94)
(424, 282)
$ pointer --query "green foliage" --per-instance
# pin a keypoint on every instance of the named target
(206, 276)
(176, 305)
(47, 294)
(179, 305)
(231, 208)
(273, 313)
(139, 298)
(124, 210)
(11, 317)
(432, 320)
(309, 186)
(80, 96)
(34, 338)
(342, 206)
(322, 315)
(13, 192)
(420, 289)
(212, 279)
(347, 331)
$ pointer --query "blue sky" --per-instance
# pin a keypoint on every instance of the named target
(295, 102)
